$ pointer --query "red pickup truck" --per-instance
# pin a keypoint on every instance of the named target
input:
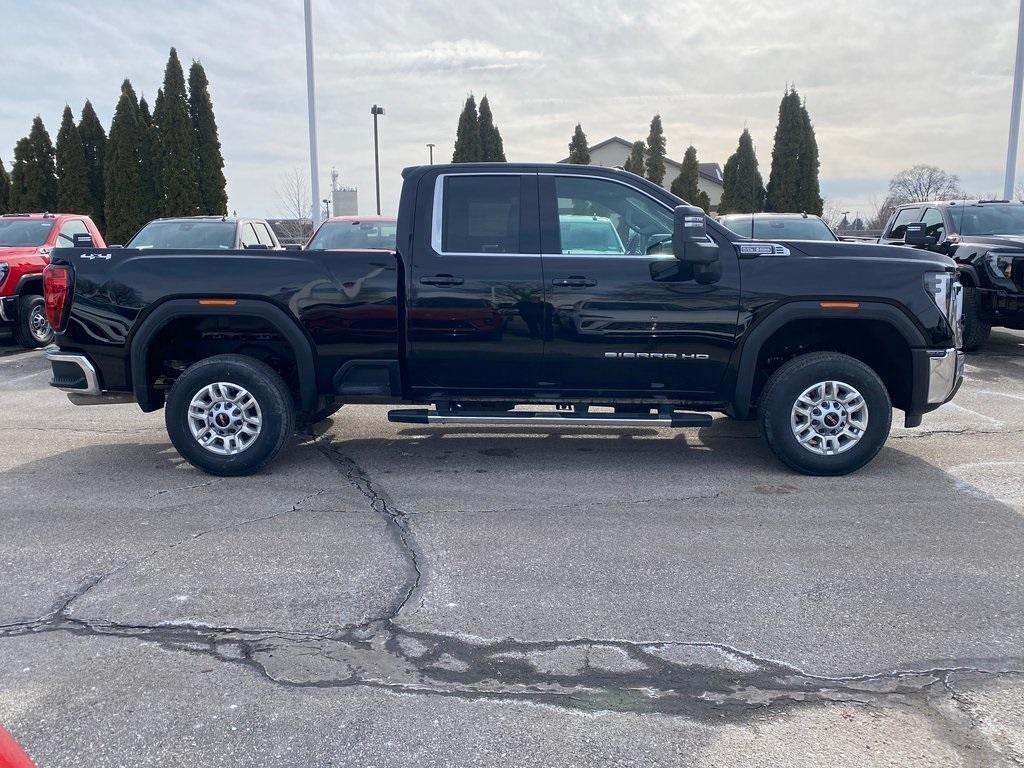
(26, 240)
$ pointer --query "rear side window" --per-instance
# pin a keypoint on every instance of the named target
(904, 217)
(481, 214)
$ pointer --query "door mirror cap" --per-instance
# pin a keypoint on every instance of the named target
(916, 233)
(82, 240)
(690, 241)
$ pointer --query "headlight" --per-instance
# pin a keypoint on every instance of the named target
(947, 293)
(1001, 265)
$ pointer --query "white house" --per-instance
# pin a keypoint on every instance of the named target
(614, 152)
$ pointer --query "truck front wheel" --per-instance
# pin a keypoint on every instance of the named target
(31, 329)
(976, 330)
(825, 413)
(229, 415)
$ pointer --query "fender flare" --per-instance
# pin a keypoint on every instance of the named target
(142, 336)
(758, 335)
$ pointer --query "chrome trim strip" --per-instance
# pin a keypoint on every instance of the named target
(92, 386)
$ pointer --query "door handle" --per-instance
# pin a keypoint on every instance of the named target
(442, 280)
(575, 281)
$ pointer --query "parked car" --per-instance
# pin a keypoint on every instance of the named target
(778, 226)
(355, 233)
(986, 240)
(206, 233)
(26, 240)
(819, 350)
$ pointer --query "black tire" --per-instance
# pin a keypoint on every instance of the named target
(789, 382)
(976, 330)
(267, 388)
(31, 329)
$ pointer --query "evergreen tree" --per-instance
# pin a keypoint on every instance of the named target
(579, 152)
(94, 146)
(176, 157)
(150, 203)
(72, 172)
(121, 171)
(784, 182)
(743, 190)
(33, 178)
(810, 189)
(685, 184)
(655, 163)
(703, 201)
(492, 149)
(467, 139)
(213, 196)
(635, 162)
(5, 189)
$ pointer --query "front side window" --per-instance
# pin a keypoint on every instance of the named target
(185, 234)
(602, 217)
(28, 233)
(904, 217)
(932, 220)
(481, 215)
(247, 236)
(263, 233)
(66, 236)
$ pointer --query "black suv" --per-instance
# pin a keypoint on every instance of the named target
(986, 239)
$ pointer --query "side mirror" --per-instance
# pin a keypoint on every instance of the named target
(82, 240)
(916, 234)
(691, 244)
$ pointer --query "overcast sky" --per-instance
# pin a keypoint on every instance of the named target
(888, 84)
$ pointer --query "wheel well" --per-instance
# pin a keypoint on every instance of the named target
(189, 339)
(875, 343)
(31, 285)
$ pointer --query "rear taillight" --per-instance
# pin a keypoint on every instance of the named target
(57, 292)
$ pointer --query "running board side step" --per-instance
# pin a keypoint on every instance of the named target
(548, 418)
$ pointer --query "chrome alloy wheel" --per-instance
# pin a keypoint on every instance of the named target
(830, 417)
(38, 325)
(224, 418)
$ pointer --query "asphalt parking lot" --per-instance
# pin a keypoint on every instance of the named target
(389, 595)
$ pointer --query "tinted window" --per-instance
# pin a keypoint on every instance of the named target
(65, 238)
(185, 234)
(603, 217)
(263, 233)
(481, 214)
(24, 232)
(789, 228)
(989, 219)
(247, 236)
(932, 220)
(904, 217)
(356, 234)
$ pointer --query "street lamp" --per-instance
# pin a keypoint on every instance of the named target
(314, 162)
(375, 110)
(431, 148)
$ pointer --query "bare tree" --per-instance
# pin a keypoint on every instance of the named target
(924, 182)
(831, 214)
(292, 192)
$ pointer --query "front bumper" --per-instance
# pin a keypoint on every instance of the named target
(945, 374)
(8, 309)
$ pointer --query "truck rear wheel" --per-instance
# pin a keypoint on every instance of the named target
(976, 331)
(229, 415)
(31, 329)
(825, 413)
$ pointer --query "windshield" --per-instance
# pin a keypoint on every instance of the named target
(185, 234)
(795, 228)
(337, 235)
(989, 219)
(24, 232)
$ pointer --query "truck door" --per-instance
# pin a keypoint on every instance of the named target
(625, 316)
(476, 296)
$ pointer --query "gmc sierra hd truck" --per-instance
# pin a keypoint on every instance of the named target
(584, 288)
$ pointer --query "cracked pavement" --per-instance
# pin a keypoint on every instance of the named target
(389, 595)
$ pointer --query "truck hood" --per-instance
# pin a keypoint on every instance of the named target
(873, 251)
(16, 251)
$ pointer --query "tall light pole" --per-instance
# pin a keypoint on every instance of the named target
(314, 209)
(431, 148)
(375, 110)
(1018, 78)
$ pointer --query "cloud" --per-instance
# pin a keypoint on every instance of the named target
(467, 55)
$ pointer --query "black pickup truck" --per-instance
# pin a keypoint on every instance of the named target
(588, 289)
(986, 239)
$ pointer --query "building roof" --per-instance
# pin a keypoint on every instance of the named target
(709, 171)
